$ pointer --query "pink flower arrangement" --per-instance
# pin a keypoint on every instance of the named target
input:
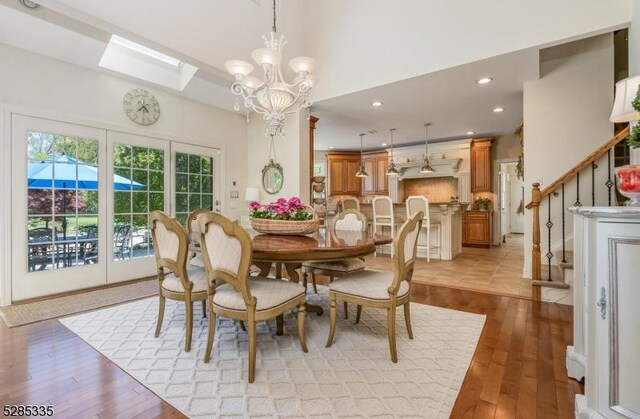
(281, 209)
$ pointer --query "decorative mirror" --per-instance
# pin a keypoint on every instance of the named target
(272, 177)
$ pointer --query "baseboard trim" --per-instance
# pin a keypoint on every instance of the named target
(575, 363)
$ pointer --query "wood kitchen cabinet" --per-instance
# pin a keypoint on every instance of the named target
(481, 165)
(476, 228)
(342, 173)
(375, 164)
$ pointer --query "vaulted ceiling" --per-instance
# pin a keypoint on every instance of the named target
(420, 57)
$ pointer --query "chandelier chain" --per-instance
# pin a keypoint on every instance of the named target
(274, 16)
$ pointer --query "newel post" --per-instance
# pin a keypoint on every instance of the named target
(536, 264)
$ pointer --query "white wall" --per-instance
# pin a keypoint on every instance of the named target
(292, 152)
(365, 43)
(566, 114)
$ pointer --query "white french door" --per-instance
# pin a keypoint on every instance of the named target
(141, 169)
(195, 173)
(58, 207)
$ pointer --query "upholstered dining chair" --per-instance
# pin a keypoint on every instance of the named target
(417, 203)
(171, 245)
(226, 250)
(350, 203)
(193, 229)
(381, 289)
(351, 220)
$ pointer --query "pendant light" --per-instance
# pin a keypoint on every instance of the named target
(426, 167)
(391, 170)
(361, 172)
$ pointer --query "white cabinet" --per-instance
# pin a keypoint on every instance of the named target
(607, 312)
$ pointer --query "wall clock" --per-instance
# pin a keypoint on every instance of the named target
(141, 107)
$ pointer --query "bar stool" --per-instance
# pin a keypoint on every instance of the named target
(418, 203)
(383, 216)
(350, 203)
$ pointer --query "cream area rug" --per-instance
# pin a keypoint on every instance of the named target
(353, 378)
(21, 314)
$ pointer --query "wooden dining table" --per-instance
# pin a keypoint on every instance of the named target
(324, 245)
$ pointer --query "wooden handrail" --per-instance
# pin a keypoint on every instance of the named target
(583, 164)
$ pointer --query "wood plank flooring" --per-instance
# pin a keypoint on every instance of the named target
(517, 371)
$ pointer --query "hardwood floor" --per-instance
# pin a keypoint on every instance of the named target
(517, 371)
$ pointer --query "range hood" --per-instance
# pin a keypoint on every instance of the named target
(442, 167)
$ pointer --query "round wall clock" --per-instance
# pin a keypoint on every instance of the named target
(141, 107)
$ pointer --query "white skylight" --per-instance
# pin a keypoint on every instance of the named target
(146, 51)
(135, 60)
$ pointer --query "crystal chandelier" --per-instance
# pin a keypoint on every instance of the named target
(361, 172)
(426, 167)
(391, 170)
(271, 96)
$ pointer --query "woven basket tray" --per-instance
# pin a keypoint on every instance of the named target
(286, 227)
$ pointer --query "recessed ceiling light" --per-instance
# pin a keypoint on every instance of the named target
(376, 104)
(484, 80)
(331, 148)
(498, 109)
(470, 132)
(383, 144)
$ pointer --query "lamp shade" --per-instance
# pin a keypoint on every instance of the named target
(266, 56)
(251, 194)
(626, 91)
(300, 64)
(238, 67)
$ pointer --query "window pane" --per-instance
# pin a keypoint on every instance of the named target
(194, 183)
(207, 184)
(156, 159)
(182, 162)
(140, 176)
(182, 202)
(140, 240)
(156, 202)
(207, 165)
(122, 202)
(207, 202)
(121, 155)
(87, 202)
(156, 181)
(39, 201)
(194, 164)
(140, 204)
(139, 157)
(182, 217)
(194, 202)
(182, 183)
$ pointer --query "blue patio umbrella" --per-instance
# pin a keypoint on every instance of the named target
(71, 174)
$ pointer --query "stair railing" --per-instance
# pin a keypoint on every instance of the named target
(537, 197)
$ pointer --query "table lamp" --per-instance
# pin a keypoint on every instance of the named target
(626, 91)
(251, 194)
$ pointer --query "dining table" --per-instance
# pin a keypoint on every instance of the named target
(327, 244)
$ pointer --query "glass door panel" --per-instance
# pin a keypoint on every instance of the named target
(140, 166)
(196, 173)
(57, 207)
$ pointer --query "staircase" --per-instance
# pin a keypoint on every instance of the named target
(591, 182)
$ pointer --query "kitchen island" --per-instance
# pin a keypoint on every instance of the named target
(446, 217)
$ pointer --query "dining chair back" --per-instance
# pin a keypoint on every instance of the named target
(383, 216)
(352, 220)
(171, 245)
(406, 248)
(350, 203)
(226, 250)
(193, 226)
(417, 203)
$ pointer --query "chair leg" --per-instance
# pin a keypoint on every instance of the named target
(279, 325)
(391, 330)
(160, 315)
(407, 319)
(428, 244)
(313, 282)
(332, 321)
(305, 281)
(252, 347)
(204, 308)
(189, 321)
(346, 309)
(358, 313)
(301, 314)
(244, 329)
(211, 334)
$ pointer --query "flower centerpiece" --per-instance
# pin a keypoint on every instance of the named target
(284, 217)
(483, 203)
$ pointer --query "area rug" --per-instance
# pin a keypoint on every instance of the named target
(21, 314)
(353, 378)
